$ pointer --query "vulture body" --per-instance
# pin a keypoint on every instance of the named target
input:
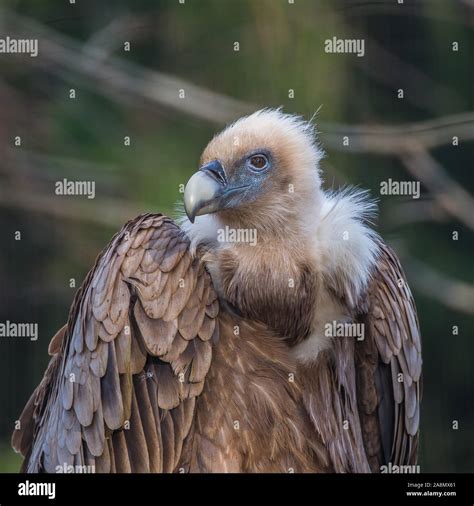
(187, 352)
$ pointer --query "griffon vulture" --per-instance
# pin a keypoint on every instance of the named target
(190, 348)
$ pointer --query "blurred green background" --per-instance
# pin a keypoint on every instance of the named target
(180, 81)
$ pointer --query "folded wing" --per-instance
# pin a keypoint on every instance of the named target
(388, 364)
(120, 390)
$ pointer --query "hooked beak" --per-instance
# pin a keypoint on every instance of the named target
(206, 190)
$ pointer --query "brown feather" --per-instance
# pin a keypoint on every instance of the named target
(111, 414)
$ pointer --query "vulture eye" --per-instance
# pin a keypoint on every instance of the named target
(258, 162)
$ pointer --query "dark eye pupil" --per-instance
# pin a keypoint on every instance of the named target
(258, 162)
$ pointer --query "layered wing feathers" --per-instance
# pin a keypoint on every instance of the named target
(119, 393)
(389, 368)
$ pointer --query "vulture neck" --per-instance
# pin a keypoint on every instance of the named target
(306, 268)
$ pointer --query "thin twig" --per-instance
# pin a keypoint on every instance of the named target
(450, 195)
(450, 292)
(110, 212)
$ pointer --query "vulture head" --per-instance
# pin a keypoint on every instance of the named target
(262, 162)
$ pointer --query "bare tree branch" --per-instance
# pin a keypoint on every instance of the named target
(70, 58)
(110, 212)
(122, 78)
(452, 293)
(448, 193)
(391, 140)
(415, 211)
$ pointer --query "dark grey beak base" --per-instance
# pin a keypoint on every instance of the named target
(215, 170)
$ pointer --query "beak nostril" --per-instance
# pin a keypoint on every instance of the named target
(215, 170)
(217, 175)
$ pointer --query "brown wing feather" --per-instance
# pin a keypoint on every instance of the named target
(388, 362)
(119, 391)
(365, 416)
